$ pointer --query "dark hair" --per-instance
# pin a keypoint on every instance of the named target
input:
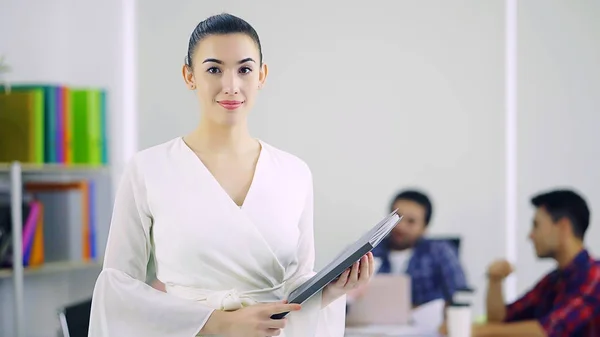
(565, 204)
(418, 197)
(220, 24)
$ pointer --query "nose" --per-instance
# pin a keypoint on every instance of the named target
(230, 84)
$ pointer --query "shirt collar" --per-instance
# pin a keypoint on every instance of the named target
(581, 261)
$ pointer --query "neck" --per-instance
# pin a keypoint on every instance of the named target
(216, 138)
(566, 255)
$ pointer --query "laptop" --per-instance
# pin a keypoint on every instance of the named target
(386, 301)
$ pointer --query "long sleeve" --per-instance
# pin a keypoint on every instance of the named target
(524, 308)
(123, 304)
(306, 242)
(330, 320)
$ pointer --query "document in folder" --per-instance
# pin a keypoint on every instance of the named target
(343, 261)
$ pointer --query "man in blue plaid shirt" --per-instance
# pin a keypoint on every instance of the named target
(432, 265)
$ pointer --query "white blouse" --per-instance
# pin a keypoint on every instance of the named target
(210, 253)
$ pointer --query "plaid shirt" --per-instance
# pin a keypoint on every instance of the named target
(565, 302)
(434, 269)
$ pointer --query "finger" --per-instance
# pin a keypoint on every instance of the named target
(271, 328)
(343, 278)
(353, 275)
(364, 275)
(276, 323)
(278, 308)
(371, 264)
(273, 332)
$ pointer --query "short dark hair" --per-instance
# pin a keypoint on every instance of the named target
(415, 196)
(568, 204)
(221, 24)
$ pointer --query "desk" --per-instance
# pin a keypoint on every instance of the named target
(389, 331)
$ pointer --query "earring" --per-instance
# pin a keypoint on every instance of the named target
(193, 86)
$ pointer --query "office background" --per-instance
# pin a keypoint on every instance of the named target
(479, 103)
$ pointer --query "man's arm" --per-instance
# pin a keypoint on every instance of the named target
(522, 309)
(495, 304)
(566, 319)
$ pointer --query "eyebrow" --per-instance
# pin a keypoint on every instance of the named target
(248, 59)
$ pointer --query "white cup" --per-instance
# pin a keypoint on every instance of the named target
(459, 320)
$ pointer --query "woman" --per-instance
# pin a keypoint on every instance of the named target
(228, 218)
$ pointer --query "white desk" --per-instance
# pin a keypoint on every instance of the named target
(389, 331)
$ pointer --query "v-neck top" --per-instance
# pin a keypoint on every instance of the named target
(210, 253)
(203, 167)
(202, 211)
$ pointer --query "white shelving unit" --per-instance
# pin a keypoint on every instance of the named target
(18, 173)
(71, 41)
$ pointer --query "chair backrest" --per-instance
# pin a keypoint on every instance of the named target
(75, 319)
(454, 241)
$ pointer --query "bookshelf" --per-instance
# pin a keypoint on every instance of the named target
(52, 267)
(55, 168)
(61, 57)
(55, 199)
(26, 283)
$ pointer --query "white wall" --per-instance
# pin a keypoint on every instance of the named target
(375, 98)
(559, 114)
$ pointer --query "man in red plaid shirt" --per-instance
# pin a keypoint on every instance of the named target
(566, 302)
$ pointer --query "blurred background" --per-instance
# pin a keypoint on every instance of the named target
(480, 104)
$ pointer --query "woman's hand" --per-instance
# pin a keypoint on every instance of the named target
(356, 276)
(356, 293)
(252, 321)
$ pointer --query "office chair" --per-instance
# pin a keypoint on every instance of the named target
(75, 319)
(454, 241)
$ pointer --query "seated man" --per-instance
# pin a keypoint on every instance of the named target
(433, 266)
(566, 302)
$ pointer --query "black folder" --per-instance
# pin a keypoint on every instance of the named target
(343, 261)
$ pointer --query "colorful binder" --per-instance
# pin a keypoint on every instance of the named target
(22, 126)
(86, 236)
(67, 125)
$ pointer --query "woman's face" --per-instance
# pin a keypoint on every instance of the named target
(226, 74)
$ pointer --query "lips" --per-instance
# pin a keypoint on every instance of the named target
(230, 105)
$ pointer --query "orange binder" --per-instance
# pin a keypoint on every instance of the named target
(37, 249)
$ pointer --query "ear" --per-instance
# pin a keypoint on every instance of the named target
(188, 77)
(564, 226)
(262, 76)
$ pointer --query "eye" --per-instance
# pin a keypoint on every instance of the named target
(245, 70)
(213, 70)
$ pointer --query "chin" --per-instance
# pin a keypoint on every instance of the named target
(229, 118)
(544, 255)
(237, 119)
